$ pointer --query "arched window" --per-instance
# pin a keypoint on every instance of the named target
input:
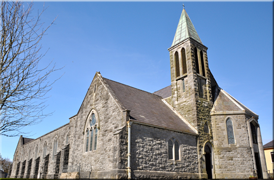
(173, 149)
(206, 128)
(91, 139)
(177, 66)
(170, 149)
(93, 119)
(92, 133)
(95, 138)
(230, 134)
(202, 61)
(254, 133)
(176, 150)
(183, 52)
(87, 140)
(196, 60)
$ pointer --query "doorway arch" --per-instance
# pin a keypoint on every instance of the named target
(208, 160)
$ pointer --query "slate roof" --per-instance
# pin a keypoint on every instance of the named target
(164, 93)
(185, 29)
(147, 108)
(269, 145)
(248, 111)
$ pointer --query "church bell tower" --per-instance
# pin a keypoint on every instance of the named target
(191, 81)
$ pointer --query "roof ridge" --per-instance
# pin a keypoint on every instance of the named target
(48, 133)
(132, 87)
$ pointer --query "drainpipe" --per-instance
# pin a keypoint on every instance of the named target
(128, 155)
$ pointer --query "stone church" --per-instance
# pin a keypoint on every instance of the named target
(190, 129)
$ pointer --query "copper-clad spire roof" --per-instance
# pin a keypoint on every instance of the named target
(185, 29)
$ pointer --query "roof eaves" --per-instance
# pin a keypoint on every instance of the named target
(160, 127)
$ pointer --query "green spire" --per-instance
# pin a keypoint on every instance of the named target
(185, 29)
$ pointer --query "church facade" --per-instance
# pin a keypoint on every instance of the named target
(190, 129)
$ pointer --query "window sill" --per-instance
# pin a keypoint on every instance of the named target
(201, 76)
(181, 77)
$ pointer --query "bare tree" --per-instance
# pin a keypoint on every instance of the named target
(23, 85)
(5, 164)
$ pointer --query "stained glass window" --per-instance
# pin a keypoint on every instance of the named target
(87, 140)
(95, 138)
(91, 139)
(176, 150)
(170, 149)
(93, 119)
(230, 134)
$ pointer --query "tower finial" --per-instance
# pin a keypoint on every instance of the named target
(183, 6)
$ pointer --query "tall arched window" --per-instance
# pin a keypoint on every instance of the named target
(87, 140)
(95, 138)
(206, 128)
(176, 150)
(173, 149)
(91, 139)
(230, 134)
(170, 149)
(196, 60)
(177, 66)
(254, 133)
(91, 133)
(202, 61)
(183, 53)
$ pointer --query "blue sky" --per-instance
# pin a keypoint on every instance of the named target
(128, 41)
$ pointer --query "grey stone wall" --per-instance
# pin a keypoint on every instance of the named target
(28, 151)
(100, 162)
(149, 153)
(232, 160)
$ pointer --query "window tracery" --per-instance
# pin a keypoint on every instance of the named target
(91, 133)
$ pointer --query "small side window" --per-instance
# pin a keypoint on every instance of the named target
(230, 134)
(170, 149)
(206, 128)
